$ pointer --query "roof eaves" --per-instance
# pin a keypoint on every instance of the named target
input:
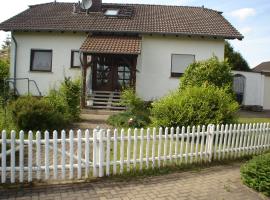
(240, 37)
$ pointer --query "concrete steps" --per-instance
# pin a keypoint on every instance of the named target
(107, 100)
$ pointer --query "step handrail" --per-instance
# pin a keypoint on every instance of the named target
(12, 80)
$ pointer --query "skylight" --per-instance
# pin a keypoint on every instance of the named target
(111, 12)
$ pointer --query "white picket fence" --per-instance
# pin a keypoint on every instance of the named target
(77, 155)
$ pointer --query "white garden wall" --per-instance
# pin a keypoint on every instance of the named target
(254, 88)
(154, 65)
(60, 43)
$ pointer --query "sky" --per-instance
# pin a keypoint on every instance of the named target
(250, 17)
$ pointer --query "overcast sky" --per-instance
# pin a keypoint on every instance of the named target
(250, 17)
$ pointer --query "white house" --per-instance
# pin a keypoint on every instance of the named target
(111, 46)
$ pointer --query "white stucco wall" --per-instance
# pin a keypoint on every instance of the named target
(154, 64)
(266, 100)
(254, 88)
(61, 44)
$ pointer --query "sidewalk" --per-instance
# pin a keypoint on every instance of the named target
(217, 183)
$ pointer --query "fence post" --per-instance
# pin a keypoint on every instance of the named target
(210, 139)
(98, 152)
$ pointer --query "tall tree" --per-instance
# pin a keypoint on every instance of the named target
(5, 50)
(235, 59)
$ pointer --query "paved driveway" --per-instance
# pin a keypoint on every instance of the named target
(219, 182)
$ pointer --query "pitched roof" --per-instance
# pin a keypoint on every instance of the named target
(264, 67)
(155, 19)
(112, 44)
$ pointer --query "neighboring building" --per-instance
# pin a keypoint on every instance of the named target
(253, 88)
(263, 68)
(147, 47)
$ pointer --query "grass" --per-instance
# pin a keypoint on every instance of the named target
(253, 120)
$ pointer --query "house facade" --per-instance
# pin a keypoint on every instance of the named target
(112, 46)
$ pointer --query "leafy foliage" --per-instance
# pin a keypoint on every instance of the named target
(6, 120)
(209, 72)
(127, 119)
(235, 59)
(256, 173)
(67, 99)
(4, 73)
(137, 113)
(30, 113)
(194, 106)
(55, 111)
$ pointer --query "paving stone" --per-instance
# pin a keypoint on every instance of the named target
(215, 183)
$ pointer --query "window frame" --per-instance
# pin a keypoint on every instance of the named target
(178, 74)
(32, 58)
(72, 59)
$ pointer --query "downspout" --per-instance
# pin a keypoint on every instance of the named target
(15, 61)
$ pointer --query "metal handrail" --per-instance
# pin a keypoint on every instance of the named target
(12, 80)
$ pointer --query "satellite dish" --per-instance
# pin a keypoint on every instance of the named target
(86, 4)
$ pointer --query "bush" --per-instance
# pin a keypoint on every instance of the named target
(6, 120)
(4, 73)
(30, 113)
(194, 106)
(66, 100)
(209, 72)
(136, 115)
(127, 119)
(256, 173)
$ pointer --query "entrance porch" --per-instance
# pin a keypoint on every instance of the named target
(109, 66)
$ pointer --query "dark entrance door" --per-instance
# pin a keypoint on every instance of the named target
(113, 72)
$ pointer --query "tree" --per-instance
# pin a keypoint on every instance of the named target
(210, 72)
(235, 59)
(5, 51)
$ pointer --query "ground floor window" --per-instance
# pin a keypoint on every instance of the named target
(179, 63)
(75, 59)
(41, 60)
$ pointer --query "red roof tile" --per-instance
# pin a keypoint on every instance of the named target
(180, 20)
(112, 45)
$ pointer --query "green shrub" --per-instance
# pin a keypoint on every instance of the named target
(131, 101)
(209, 72)
(6, 120)
(4, 73)
(137, 113)
(30, 113)
(256, 173)
(71, 91)
(66, 100)
(127, 119)
(194, 106)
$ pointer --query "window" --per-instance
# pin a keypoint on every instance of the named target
(111, 12)
(180, 62)
(41, 60)
(75, 59)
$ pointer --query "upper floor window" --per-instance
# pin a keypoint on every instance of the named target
(41, 60)
(75, 59)
(111, 12)
(180, 62)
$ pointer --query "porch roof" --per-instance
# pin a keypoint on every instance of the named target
(112, 45)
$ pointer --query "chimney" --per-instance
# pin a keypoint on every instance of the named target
(96, 6)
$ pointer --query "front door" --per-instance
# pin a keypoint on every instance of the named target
(112, 73)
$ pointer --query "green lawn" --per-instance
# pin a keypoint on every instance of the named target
(253, 120)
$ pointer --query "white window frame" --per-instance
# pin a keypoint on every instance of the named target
(179, 74)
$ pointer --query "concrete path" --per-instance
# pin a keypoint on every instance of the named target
(219, 182)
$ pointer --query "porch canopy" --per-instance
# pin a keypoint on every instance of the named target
(112, 45)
